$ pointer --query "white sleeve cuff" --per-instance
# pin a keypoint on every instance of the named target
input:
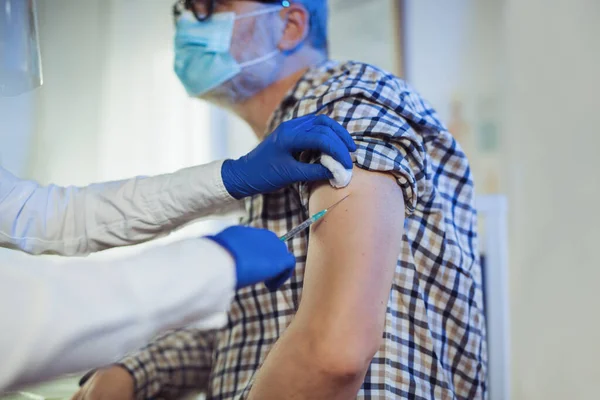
(189, 194)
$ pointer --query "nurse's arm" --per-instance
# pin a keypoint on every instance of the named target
(76, 221)
(352, 256)
(81, 314)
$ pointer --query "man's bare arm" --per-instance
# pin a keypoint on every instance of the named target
(352, 256)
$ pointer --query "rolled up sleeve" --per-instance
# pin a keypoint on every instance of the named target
(385, 142)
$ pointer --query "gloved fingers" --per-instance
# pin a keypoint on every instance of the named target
(306, 120)
(259, 255)
(301, 124)
(343, 134)
(324, 140)
(314, 172)
(275, 283)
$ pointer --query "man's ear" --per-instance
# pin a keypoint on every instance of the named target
(297, 25)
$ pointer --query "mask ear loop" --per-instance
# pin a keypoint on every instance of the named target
(259, 60)
(267, 56)
(259, 12)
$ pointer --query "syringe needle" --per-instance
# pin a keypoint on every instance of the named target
(344, 198)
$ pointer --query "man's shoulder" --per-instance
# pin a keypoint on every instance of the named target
(357, 84)
(359, 76)
(351, 70)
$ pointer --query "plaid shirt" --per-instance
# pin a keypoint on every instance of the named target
(434, 343)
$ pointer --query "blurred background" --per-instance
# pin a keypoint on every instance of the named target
(515, 81)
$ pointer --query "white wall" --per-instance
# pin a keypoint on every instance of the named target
(365, 31)
(111, 105)
(552, 127)
(436, 48)
(453, 53)
(545, 65)
(68, 104)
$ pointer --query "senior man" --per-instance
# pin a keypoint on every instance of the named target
(386, 301)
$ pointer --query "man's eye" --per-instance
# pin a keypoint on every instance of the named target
(200, 8)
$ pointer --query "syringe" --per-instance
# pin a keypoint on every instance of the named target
(306, 224)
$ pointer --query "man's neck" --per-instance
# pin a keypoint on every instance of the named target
(257, 110)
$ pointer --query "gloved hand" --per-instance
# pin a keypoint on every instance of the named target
(259, 256)
(272, 166)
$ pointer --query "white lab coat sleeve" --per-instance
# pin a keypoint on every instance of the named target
(70, 317)
(80, 220)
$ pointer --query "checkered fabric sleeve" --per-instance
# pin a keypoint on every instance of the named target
(171, 365)
(385, 141)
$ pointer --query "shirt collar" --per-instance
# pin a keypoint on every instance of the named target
(311, 79)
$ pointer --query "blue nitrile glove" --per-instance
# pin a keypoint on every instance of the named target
(272, 165)
(259, 256)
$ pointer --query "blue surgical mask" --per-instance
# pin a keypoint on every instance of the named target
(203, 60)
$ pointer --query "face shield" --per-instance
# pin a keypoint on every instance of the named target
(20, 61)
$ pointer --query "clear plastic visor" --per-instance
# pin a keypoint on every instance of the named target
(20, 60)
